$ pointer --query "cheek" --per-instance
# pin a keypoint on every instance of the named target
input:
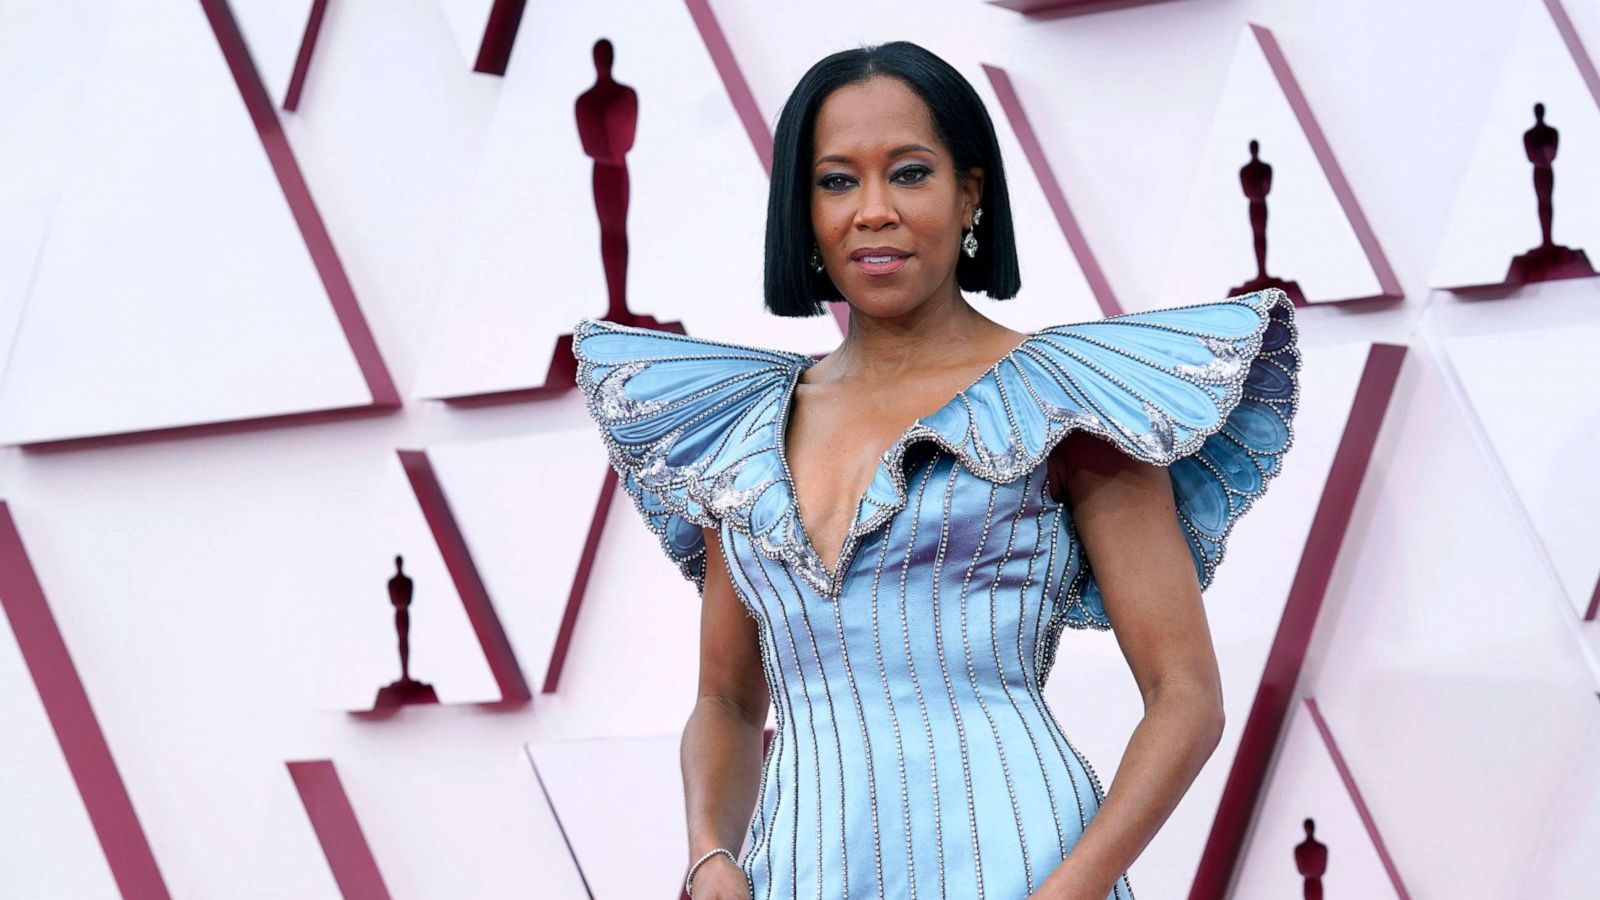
(829, 218)
(928, 213)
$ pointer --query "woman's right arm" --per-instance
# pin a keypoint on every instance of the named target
(721, 751)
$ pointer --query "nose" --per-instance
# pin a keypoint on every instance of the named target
(877, 208)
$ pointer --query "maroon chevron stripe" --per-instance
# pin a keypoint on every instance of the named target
(301, 204)
(499, 34)
(302, 60)
(580, 581)
(491, 634)
(744, 99)
(338, 830)
(1034, 151)
(66, 703)
(1580, 56)
(1360, 803)
(1269, 713)
(1388, 284)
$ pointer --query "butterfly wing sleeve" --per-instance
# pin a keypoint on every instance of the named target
(1208, 390)
(675, 413)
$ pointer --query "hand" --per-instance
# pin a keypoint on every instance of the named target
(720, 879)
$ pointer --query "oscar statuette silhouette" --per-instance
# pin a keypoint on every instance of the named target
(608, 117)
(1311, 859)
(405, 691)
(1549, 261)
(1255, 179)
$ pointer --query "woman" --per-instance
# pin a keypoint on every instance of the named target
(889, 541)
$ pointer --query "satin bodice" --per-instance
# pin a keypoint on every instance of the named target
(914, 753)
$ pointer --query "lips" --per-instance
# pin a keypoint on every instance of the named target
(879, 261)
(878, 254)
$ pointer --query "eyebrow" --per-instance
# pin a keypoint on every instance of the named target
(903, 148)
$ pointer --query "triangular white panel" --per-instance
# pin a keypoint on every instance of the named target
(1496, 214)
(1306, 784)
(1529, 369)
(174, 287)
(275, 31)
(1310, 238)
(503, 494)
(49, 57)
(526, 261)
(24, 221)
(1243, 608)
(1585, 17)
(360, 652)
(388, 132)
(468, 21)
(57, 853)
(1449, 672)
(619, 798)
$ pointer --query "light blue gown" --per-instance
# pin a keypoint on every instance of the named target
(914, 753)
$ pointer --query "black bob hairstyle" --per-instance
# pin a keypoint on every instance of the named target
(791, 286)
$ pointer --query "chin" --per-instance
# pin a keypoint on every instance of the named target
(883, 299)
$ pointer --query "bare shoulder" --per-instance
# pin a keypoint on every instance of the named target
(1082, 460)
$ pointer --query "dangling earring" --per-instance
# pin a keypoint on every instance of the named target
(816, 259)
(970, 242)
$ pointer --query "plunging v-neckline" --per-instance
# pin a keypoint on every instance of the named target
(785, 409)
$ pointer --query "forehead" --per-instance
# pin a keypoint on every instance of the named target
(872, 116)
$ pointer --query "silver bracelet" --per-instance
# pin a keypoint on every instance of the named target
(688, 883)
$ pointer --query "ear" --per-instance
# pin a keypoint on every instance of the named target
(972, 190)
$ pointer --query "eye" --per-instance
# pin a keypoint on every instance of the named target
(921, 173)
(827, 182)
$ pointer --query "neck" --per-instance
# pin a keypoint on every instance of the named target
(940, 331)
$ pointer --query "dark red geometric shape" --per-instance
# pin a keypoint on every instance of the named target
(499, 34)
(1356, 799)
(302, 60)
(1031, 148)
(1056, 9)
(580, 581)
(1388, 284)
(1580, 56)
(295, 190)
(338, 830)
(744, 100)
(66, 703)
(257, 102)
(452, 543)
(1269, 712)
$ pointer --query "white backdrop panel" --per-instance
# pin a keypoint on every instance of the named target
(361, 651)
(1496, 215)
(174, 287)
(1309, 238)
(57, 854)
(389, 130)
(1442, 629)
(468, 20)
(275, 30)
(617, 800)
(1529, 369)
(525, 264)
(524, 505)
(1306, 784)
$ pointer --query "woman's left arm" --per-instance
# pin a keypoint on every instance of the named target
(1125, 517)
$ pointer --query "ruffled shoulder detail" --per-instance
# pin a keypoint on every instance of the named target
(1209, 390)
(688, 425)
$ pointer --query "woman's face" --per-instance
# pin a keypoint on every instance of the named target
(881, 178)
